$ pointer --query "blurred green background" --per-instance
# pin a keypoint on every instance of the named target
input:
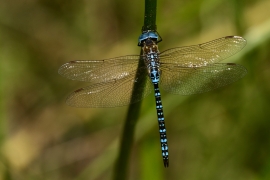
(220, 135)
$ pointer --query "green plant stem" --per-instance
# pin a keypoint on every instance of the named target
(122, 162)
(150, 15)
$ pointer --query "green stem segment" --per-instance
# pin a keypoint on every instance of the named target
(150, 15)
(121, 166)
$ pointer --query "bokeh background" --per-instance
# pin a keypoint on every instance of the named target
(219, 135)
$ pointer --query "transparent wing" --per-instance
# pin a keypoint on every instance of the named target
(113, 93)
(203, 54)
(187, 81)
(99, 70)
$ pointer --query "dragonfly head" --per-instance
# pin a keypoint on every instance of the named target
(148, 35)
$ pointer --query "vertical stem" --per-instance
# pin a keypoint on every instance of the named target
(150, 15)
(122, 162)
(121, 166)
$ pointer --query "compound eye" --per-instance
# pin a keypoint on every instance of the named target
(147, 35)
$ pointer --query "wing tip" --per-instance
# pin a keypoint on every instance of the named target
(235, 37)
(62, 69)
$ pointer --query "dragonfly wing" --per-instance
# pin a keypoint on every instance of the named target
(187, 81)
(204, 54)
(100, 70)
(113, 93)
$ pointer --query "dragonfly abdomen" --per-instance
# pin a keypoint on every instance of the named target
(162, 128)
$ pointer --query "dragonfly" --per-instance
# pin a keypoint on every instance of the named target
(182, 70)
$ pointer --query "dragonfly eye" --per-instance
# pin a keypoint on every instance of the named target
(147, 35)
(153, 36)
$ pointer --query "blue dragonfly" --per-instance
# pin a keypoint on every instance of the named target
(183, 70)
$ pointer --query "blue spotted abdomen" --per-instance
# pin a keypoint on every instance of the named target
(154, 75)
(162, 128)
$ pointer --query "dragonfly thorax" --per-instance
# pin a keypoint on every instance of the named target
(150, 47)
(151, 59)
